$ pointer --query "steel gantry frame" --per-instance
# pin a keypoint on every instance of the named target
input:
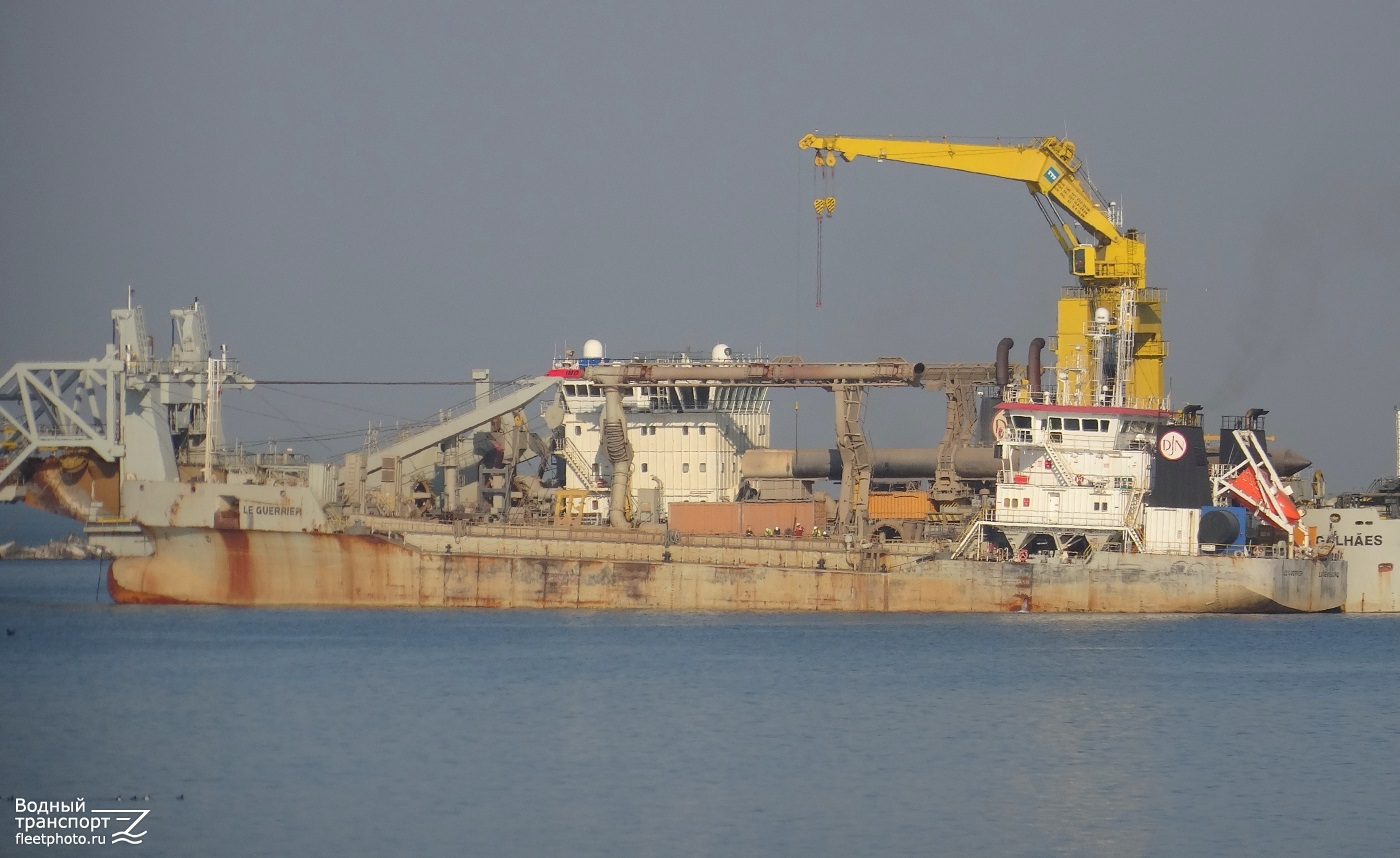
(846, 380)
(41, 407)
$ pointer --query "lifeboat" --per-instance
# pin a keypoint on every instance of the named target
(1270, 502)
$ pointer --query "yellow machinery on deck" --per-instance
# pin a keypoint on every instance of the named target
(1112, 271)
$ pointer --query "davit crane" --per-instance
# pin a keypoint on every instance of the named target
(1109, 342)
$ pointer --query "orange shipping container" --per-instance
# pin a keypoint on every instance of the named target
(735, 519)
(701, 518)
(910, 505)
(780, 515)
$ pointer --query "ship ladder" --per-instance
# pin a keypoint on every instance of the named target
(1131, 525)
(974, 529)
(577, 463)
(1060, 467)
(1134, 512)
(1127, 316)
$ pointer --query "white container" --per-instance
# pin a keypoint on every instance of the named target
(1171, 531)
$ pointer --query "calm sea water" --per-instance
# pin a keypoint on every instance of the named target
(320, 732)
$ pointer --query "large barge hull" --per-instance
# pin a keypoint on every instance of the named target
(559, 568)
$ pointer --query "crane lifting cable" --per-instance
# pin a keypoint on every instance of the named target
(825, 205)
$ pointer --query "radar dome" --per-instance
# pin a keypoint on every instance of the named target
(593, 349)
(1101, 316)
(721, 352)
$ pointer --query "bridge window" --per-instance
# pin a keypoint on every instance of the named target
(1072, 424)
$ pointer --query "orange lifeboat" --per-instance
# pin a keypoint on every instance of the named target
(1246, 487)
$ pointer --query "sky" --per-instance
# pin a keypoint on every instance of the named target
(407, 191)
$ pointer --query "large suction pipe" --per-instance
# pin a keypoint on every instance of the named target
(1033, 370)
(969, 463)
(1004, 361)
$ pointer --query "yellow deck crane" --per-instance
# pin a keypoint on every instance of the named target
(1109, 343)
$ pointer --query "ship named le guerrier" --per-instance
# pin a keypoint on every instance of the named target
(652, 484)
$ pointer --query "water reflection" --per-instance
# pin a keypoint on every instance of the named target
(370, 732)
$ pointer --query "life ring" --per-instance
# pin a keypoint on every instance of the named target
(1079, 479)
(1022, 556)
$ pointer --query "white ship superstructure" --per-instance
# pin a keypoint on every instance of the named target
(1073, 477)
(686, 437)
(1077, 480)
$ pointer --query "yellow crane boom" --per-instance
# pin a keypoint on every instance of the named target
(1093, 367)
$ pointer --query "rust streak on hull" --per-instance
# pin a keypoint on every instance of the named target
(193, 565)
(124, 596)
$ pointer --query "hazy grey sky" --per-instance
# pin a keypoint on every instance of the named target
(407, 190)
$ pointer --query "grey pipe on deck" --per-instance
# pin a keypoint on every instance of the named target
(919, 463)
(915, 463)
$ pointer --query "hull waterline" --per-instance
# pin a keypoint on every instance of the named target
(503, 570)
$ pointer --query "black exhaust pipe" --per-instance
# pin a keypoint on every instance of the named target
(1033, 369)
(1004, 361)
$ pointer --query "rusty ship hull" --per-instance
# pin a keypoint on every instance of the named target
(532, 568)
(1065, 512)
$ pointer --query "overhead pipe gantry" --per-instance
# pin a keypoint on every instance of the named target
(846, 380)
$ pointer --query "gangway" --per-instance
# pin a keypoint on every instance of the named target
(520, 393)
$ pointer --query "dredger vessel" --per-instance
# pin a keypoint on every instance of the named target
(1043, 506)
(655, 484)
